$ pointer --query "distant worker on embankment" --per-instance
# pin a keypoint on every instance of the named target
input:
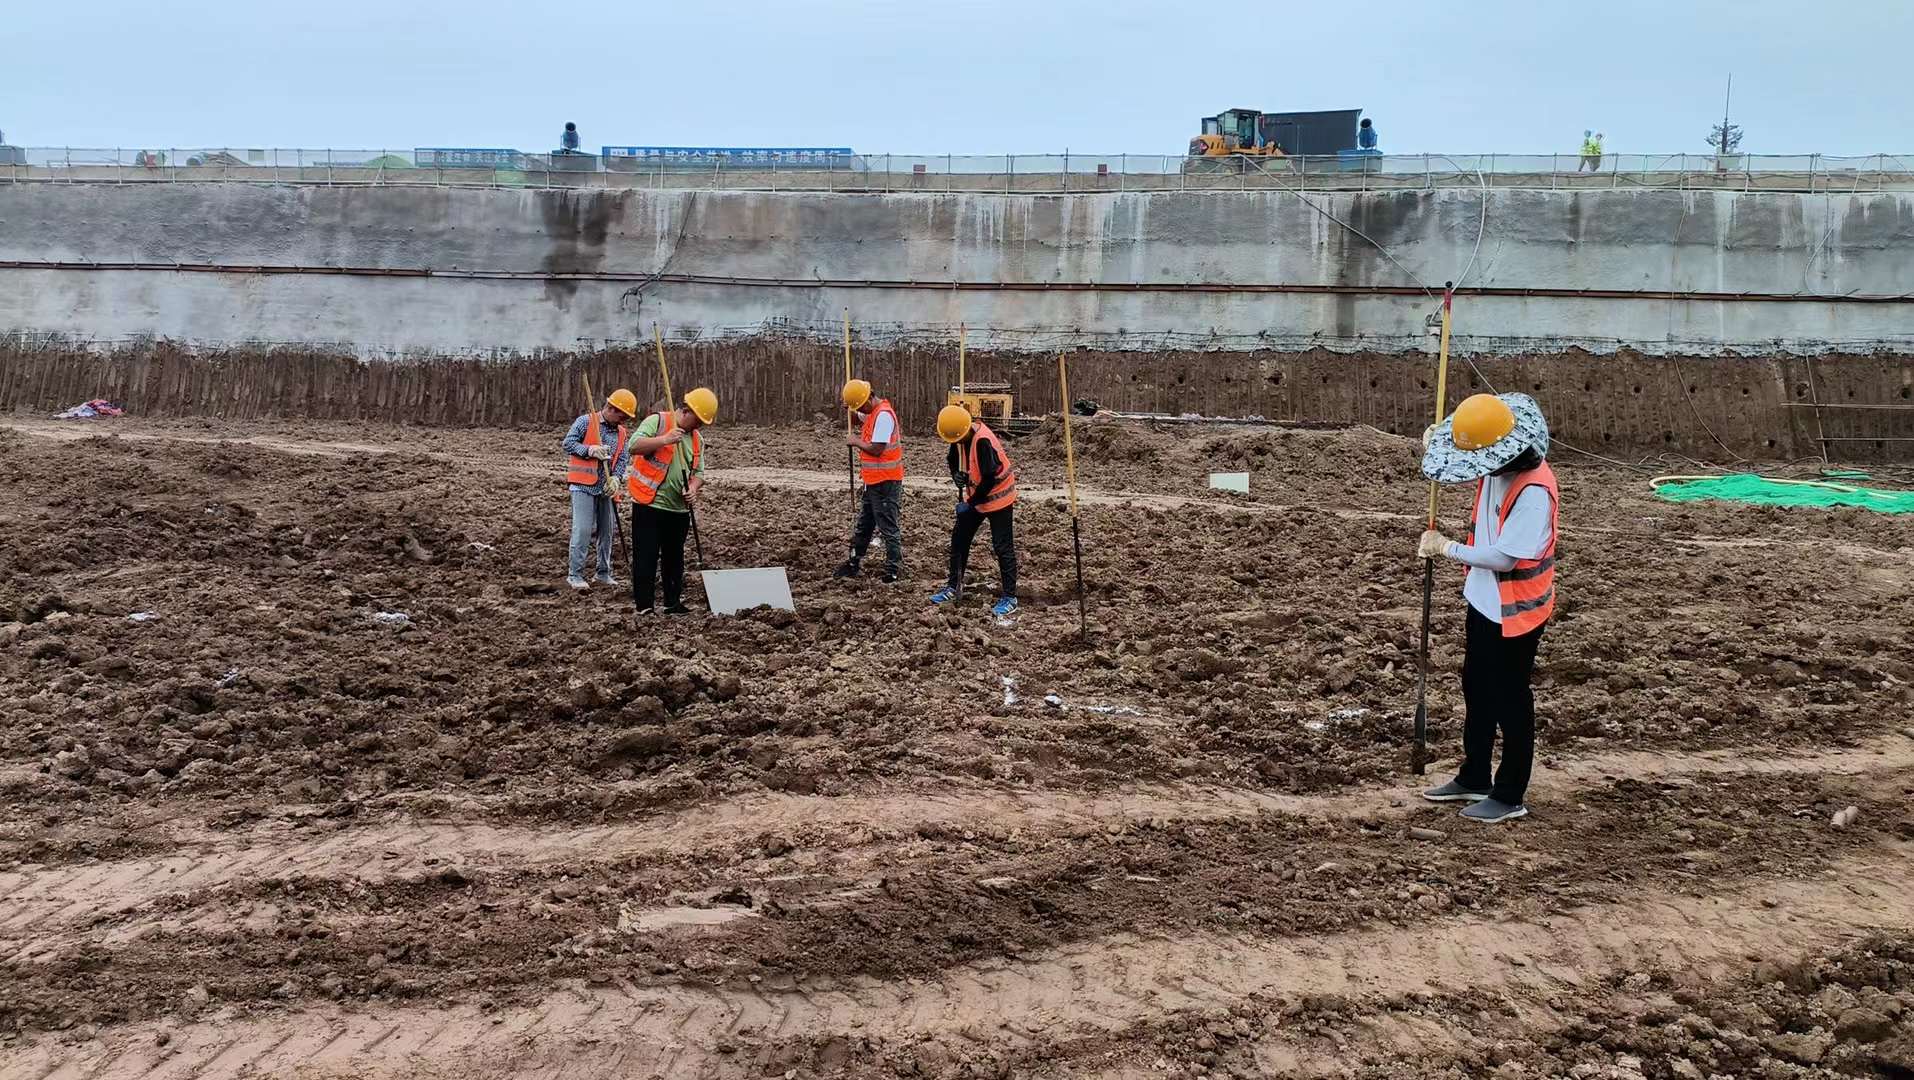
(593, 468)
(987, 491)
(880, 457)
(1501, 443)
(1591, 151)
(666, 476)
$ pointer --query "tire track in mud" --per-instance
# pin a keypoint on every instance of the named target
(1003, 1007)
(36, 900)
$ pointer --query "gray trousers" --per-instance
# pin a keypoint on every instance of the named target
(881, 514)
(591, 514)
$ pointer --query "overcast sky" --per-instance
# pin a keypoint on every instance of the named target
(962, 76)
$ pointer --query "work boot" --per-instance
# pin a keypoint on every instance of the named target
(944, 595)
(1455, 792)
(677, 609)
(890, 575)
(1004, 606)
(1491, 811)
(848, 568)
(578, 583)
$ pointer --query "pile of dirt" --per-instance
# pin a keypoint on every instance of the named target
(1845, 1013)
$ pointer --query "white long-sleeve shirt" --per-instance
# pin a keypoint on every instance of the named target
(1499, 546)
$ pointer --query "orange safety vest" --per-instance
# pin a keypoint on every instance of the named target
(584, 470)
(1006, 491)
(888, 465)
(1528, 588)
(648, 473)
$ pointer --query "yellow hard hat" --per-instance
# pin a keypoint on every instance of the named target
(703, 404)
(1482, 420)
(856, 393)
(624, 401)
(953, 423)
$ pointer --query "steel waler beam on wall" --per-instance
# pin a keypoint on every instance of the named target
(976, 286)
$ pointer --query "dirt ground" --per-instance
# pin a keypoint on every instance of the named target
(250, 827)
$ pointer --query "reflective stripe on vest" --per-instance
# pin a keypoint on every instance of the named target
(584, 470)
(888, 465)
(1005, 492)
(1528, 588)
(648, 473)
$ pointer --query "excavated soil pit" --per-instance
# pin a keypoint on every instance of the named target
(310, 761)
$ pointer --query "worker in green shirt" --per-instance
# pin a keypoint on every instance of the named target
(664, 481)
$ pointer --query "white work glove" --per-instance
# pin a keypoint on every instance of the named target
(1433, 543)
(600, 452)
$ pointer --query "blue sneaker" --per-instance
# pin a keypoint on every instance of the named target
(1004, 606)
(944, 595)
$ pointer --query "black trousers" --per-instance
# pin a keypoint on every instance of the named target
(880, 513)
(1495, 689)
(1003, 541)
(657, 544)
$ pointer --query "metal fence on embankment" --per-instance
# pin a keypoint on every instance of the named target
(1623, 404)
(1007, 173)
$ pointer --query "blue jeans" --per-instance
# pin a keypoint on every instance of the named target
(590, 514)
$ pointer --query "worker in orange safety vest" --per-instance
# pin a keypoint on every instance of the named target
(880, 457)
(665, 479)
(1501, 443)
(595, 449)
(987, 491)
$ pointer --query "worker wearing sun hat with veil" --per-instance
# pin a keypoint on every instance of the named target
(1501, 443)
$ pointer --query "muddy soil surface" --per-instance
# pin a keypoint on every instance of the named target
(305, 735)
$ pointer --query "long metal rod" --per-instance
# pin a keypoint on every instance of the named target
(948, 286)
(1837, 405)
(1814, 396)
(960, 358)
(850, 452)
(1420, 758)
(1070, 476)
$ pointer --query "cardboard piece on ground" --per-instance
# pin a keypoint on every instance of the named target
(1230, 481)
(731, 591)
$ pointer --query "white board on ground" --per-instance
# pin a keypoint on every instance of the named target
(1230, 481)
(731, 591)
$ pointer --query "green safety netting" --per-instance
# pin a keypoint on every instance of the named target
(1769, 491)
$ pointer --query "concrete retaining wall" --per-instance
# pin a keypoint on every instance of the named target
(565, 269)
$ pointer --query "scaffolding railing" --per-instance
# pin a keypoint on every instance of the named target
(1069, 171)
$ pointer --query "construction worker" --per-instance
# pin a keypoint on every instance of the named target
(986, 491)
(1591, 151)
(880, 456)
(666, 475)
(1501, 443)
(591, 469)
